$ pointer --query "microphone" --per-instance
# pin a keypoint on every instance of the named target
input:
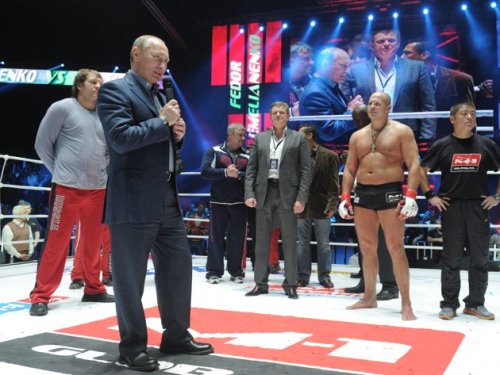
(168, 88)
(353, 86)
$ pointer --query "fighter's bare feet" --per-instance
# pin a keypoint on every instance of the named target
(407, 313)
(363, 304)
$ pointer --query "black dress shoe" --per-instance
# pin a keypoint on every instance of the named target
(257, 290)
(302, 283)
(190, 347)
(291, 292)
(138, 362)
(39, 309)
(326, 283)
(386, 295)
(103, 297)
(357, 275)
(360, 288)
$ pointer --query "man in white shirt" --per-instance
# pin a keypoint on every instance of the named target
(18, 230)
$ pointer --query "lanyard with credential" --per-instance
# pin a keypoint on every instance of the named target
(380, 79)
(276, 145)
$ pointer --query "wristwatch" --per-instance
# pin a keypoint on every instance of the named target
(497, 197)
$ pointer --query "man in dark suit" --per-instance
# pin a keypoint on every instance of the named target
(451, 86)
(301, 65)
(277, 184)
(142, 131)
(405, 81)
(323, 96)
(320, 207)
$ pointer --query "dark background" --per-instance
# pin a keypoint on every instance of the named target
(39, 34)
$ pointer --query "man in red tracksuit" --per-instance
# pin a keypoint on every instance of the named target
(71, 144)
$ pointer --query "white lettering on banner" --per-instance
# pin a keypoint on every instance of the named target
(253, 125)
(254, 64)
(235, 78)
(254, 77)
(18, 75)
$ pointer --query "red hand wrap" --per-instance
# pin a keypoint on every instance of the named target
(410, 193)
(345, 197)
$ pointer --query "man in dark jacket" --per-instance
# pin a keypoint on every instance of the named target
(225, 165)
(320, 207)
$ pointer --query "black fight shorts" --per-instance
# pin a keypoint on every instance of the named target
(378, 197)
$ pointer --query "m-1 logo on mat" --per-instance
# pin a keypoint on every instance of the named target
(307, 342)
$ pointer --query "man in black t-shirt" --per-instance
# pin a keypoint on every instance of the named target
(463, 159)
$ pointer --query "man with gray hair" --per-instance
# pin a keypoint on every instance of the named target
(143, 130)
(225, 166)
(323, 96)
(18, 230)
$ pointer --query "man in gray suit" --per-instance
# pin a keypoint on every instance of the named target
(277, 184)
(407, 82)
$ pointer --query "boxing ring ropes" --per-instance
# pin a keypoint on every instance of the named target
(395, 116)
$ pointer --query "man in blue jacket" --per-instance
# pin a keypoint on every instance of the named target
(225, 165)
(143, 130)
(323, 96)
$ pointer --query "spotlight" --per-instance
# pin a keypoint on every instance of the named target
(261, 28)
(115, 69)
(312, 23)
(168, 71)
(341, 20)
(284, 26)
(425, 11)
(61, 65)
(395, 15)
(463, 7)
(493, 4)
(370, 17)
(2, 62)
(242, 30)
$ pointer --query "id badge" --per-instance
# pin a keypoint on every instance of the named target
(273, 165)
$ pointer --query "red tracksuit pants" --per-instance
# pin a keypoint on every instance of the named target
(67, 206)
(77, 273)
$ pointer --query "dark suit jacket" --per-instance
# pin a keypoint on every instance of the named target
(294, 169)
(138, 149)
(324, 188)
(321, 97)
(452, 87)
(413, 91)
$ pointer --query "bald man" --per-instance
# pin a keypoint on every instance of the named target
(375, 162)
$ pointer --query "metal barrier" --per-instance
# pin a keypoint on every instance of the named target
(399, 115)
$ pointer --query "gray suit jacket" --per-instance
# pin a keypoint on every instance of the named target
(413, 91)
(294, 169)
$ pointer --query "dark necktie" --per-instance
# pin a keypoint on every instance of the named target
(171, 152)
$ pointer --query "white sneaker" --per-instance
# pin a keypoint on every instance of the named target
(213, 279)
(237, 279)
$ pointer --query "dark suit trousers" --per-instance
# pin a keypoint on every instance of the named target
(167, 242)
(288, 224)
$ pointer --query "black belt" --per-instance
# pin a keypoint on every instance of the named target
(169, 175)
(273, 181)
